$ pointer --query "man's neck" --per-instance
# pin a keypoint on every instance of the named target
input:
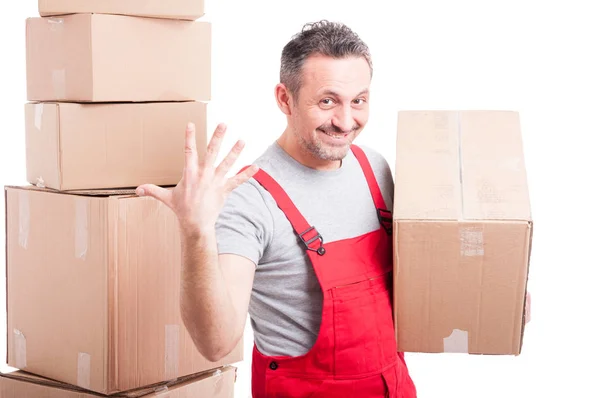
(294, 149)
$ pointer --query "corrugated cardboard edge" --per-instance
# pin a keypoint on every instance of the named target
(47, 8)
(124, 192)
(19, 343)
(524, 319)
(59, 150)
(6, 264)
(111, 377)
(27, 377)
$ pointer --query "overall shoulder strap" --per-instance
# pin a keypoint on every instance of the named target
(383, 214)
(311, 238)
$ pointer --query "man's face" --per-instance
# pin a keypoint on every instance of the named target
(332, 106)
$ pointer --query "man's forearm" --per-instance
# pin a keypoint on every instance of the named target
(206, 306)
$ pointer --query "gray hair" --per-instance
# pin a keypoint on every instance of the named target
(331, 39)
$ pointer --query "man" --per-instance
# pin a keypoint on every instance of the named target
(301, 239)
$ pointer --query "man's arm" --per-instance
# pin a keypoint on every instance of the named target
(215, 294)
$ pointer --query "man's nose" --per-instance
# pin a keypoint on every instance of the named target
(344, 119)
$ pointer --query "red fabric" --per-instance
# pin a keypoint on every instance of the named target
(355, 352)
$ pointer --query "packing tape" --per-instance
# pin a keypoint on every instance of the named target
(218, 375)
(20, 348)
(471, 241)
(162, 392)
(81, 227)
(458, 342)
(39, 113)
(24, 218)
(460, 168)
(171, 352)
(83, 369)
(55, 23)
(527, 307)
(40, 183)
(123, 212)
(59, 84)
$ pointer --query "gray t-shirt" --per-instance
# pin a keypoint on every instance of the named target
(286, 301)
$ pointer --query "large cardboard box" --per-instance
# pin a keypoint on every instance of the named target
(172, 9)
(462, 230)
(73, 146)
(213, 384)
(116, 58)
(93, 291)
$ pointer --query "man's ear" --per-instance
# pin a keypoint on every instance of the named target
(284, 99)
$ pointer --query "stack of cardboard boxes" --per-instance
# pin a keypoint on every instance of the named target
(93, 271)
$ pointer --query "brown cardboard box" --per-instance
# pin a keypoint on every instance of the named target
(93, 291)
(214, 384)
(172, 9)
(116, 58)
(72, 146)
(462, 230)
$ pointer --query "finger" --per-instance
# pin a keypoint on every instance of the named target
(158, 193)
(230, 159)
(212, 150)
(191, 152)
(241, 178)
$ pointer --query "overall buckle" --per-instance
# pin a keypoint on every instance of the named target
(386, 220)
(320, 250)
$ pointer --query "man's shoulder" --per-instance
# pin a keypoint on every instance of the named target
(376, 158)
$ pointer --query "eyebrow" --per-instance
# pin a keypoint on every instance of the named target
(334, 94)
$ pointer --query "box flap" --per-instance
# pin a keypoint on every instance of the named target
(460, 165)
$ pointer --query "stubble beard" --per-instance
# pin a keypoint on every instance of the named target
(316, 148)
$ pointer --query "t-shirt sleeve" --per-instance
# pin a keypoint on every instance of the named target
(245, 225)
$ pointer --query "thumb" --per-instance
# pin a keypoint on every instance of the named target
(156, 192)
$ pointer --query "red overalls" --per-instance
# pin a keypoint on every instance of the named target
(355, 352)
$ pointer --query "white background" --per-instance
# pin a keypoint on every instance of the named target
(539, 58)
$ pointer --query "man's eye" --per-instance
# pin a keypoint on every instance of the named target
(327, 101)
(359, 101)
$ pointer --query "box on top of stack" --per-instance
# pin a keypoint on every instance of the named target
(463, 232)
(172, 9)
(214, 384)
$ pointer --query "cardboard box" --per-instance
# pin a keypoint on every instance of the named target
(172, 9)
(462, 230)
(116, 58)
(213, 384)
(72, 146)
(93, 291)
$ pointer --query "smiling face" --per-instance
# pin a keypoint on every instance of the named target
(329, 110)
